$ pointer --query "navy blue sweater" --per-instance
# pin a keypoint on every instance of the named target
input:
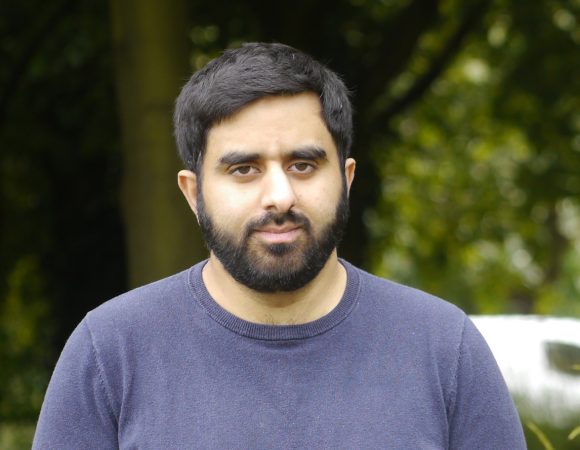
(165, 367)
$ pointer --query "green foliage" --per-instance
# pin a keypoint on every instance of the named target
(544, 437)
(480, 180)
(60, 244)
(16, 436)
(541, 436)
(24, 327)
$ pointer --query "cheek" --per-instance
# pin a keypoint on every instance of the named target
(228, 209)
(320, 205)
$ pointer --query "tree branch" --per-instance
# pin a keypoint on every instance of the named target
(423, 83)
(399, 40)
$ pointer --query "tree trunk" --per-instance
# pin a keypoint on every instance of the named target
(150, 42)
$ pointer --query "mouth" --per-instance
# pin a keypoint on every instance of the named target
(278, 235)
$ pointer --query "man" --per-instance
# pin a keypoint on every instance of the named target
(273, 342)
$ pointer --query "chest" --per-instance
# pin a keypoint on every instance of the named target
(283, 398)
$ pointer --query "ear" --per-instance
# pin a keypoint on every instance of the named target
(349, 169)
(187, 182)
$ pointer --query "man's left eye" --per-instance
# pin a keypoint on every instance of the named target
(302, 167)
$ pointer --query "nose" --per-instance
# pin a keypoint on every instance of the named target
(278, 192)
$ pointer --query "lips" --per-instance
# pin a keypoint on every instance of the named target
(278, 235)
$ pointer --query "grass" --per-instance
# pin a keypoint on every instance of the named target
(544, 437)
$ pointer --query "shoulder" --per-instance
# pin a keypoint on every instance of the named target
(124, 334)
(403, 301)
(416, 322)
(144, 304)
(143, 318)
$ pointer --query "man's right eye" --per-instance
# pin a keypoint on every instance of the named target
(243, 170)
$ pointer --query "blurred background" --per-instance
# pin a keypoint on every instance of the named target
(467, 146)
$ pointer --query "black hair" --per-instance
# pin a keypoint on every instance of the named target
(242, 75)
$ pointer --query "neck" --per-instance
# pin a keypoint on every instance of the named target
(316, 299)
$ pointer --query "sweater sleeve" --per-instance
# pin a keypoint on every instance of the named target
(76, 412)
(482, 414)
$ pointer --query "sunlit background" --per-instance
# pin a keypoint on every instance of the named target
(467, 143)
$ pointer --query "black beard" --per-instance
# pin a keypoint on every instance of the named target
(284, 267)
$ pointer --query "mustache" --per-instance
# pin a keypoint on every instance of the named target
(279, 219)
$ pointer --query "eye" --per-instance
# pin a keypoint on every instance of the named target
(302, 167)
(243, 171)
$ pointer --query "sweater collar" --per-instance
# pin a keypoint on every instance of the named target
(277, 332)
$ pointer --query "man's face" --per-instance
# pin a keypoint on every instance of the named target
(272, 199)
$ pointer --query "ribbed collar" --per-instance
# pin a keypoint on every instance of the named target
(277, 332)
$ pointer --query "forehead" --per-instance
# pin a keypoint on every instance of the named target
(271, 126)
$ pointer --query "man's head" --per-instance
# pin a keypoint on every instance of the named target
(268, 182)
(241, 76)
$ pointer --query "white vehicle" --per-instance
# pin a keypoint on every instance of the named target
(540, 360)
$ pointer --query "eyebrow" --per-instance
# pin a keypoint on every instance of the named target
(235, 157)
(309, 153)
